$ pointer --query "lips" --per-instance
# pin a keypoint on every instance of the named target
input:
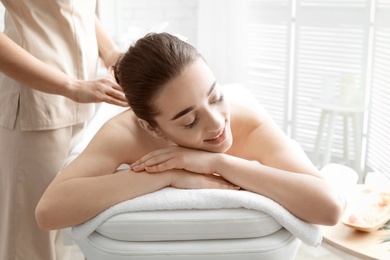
(218, 138)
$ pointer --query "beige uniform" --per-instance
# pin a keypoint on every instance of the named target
(37, 130)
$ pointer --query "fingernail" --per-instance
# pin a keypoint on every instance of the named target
(136, 167)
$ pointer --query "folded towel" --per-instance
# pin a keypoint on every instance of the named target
(172, 198)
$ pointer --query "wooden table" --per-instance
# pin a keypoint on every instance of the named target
(366, 245)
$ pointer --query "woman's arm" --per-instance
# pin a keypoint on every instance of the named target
(286, 179)
(76, 200)
(298, 188)
(264, 161)
(284, 172)
(24, 68)
(307, 196)
(70, 202)
(88, 186)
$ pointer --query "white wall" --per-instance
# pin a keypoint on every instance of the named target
(119, 17)
(221, 37)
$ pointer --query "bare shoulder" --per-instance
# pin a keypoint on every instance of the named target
(116, 139)
(257, 137)
(245, 120)
(255, 133)
(121, 123)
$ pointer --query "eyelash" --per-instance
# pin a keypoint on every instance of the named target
(219, 99)
(195, 122)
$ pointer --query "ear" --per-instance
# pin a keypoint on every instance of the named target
(150, 129)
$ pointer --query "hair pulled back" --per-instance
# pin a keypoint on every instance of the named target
(147, 66)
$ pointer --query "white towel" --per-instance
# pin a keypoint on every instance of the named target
(172, 198)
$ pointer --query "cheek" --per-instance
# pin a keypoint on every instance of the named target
(183, 137)
(191, 139)
(225, 110)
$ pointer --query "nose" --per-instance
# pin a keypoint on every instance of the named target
(214, 122)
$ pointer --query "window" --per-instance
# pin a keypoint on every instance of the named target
(295, 47)
(378, 138)
(331, 39)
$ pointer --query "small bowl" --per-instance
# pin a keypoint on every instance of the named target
(368, 210)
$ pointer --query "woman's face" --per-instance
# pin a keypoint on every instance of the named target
(194, 112)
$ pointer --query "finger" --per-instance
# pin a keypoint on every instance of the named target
(158, 159)
(157, 164)
(167, 165)
(117, 87)
(115, 97)
(156, 168)
(111, 79)
(114, 101)
(118, 94)
(150, 155)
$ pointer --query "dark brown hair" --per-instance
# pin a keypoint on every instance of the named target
(149, 64)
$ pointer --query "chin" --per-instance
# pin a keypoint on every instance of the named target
(227, 146)
(222, 147)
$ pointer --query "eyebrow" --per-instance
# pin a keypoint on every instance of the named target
(189, 109)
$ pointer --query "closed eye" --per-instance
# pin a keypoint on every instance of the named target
(193, 124)
(219, 100)
(196, 120)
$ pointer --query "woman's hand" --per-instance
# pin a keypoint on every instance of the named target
(176, 157)
(99, 90)
(188, 180)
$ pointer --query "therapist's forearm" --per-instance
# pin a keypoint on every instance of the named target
(108, 51)
(24, 68)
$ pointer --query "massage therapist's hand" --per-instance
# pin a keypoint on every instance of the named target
(99, 90)
(188, 180)
(176, 157)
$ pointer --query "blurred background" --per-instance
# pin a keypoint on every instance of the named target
(320, 67)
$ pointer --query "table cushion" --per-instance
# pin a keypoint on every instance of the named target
(277, 246)
(191, 224)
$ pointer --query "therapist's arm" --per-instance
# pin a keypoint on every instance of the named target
(21, 66)
(108, 51)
